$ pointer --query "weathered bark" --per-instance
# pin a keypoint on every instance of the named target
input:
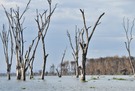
(23, 73)
(18, 72)
(8, 71)
(31, 73)
(77, 69)
(83, 67)
(31, 69)
(44, 66)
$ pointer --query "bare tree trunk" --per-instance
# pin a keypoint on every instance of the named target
(8, 71)
(31, 71)
(58, 73)
(23, 73)
(45, 58)
(77, 69)
(33, 57)
(43, 69)
(18, 67)
(18, 72)
(83, 67)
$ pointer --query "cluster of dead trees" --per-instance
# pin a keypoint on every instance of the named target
(82, 38)
(25, 59)
(66, 68)
(15, 34)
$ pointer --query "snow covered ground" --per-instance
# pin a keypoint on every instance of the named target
(69, 83)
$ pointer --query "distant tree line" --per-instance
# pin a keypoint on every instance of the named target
(114, 65)
(109, 66)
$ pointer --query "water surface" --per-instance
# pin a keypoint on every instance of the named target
(69, 83)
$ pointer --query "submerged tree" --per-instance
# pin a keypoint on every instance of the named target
(16, 20)
(5, 36)
(43, 22)
(75, 50)
(61, 64)
(129, 37)
(52, 69)
(84, 44)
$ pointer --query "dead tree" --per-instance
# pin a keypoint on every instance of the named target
(84, 44)
(43, 22)
(75, 50)
(61, 64)
(129, 37)
(5, 37)
(16, 20)
(52, 69)
(33, 56)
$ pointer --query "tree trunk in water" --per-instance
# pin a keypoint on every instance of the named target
(8, 71)
(83, 73)
(58, 73)
(31, 73)
(44, 65)
(23, 73)
(18, 72)
(77, 70)
(8, 75)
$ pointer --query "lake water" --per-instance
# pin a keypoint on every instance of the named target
(69, 83)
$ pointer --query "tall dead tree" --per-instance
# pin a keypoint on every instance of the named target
(84, 43)
(5, 36)
(75, 50)
(16, 20)
(129, 37)
(43, 22)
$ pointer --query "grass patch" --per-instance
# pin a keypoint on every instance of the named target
(94, 78)
(92, 87)
(83, 80)
(114, 78)
(23, 88)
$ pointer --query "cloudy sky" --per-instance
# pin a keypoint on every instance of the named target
(108, 39)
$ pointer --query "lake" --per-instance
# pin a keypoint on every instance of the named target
(70, 83)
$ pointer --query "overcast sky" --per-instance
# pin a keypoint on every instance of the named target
(108, 39)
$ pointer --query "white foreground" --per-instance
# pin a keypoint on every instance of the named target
(69, 83)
